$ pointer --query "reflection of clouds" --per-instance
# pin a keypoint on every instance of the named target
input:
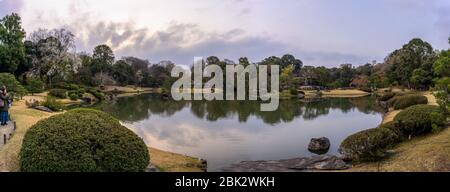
(227, 140)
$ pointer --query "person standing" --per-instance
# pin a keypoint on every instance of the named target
(4, 106)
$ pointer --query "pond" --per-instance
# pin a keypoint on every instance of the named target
(227, 132)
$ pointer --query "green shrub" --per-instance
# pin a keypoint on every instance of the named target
(51, 103)
(406, 101)
(82, 140)
(58, 93)
(60, 85)
(293, 92)
(67, 86)
(79, 92)
(419, 119)
(386, 96)
(13, 86)
(366, 89)
(35, 85)
(74, 97)
(368, 145)
(72, 87)
(97, 94)
(438, 118)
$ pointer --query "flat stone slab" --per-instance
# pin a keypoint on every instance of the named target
(42, 108)
(315, 163)
(6, 132)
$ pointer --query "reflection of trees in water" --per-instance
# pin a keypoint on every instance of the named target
(141, 107)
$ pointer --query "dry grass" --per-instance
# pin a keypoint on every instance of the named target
(431, 98)
(24, 118)
(389, 116)
(172, 162)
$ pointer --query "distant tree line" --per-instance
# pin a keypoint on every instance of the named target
(46, 57)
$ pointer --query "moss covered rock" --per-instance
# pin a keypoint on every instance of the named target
(82, 140)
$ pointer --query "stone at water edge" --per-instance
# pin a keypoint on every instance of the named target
(151, 168)
(319, 144)
(315, 163)
(42, 108)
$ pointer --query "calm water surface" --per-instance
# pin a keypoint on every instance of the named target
(227, 132)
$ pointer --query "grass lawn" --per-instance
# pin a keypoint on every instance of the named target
(172, 162)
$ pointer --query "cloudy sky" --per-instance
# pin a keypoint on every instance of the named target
(319, 32)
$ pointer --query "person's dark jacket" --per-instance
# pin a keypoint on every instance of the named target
(4, 98)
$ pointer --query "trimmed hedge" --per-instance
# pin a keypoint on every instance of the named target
(372, 144)
(368, 145)
(386, 96)
(406, 101)
(82, 140)
(58, 93)
(418, 119)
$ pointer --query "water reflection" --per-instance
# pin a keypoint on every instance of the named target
(132, 109)
(224, 132)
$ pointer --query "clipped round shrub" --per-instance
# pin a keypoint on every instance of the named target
(51, 103)
(392, 126)
(406, 101)
(386, 96)
(58, 93)
(74, 97)
(97, 94)
(82, 140)
(368, 145)
(293, 91)
(418, 119)
(72, 87)
(78, 92)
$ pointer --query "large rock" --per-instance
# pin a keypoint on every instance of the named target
(319, 145)
(315, 163)
(320, 162)
(151, 168)
(42, 108)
